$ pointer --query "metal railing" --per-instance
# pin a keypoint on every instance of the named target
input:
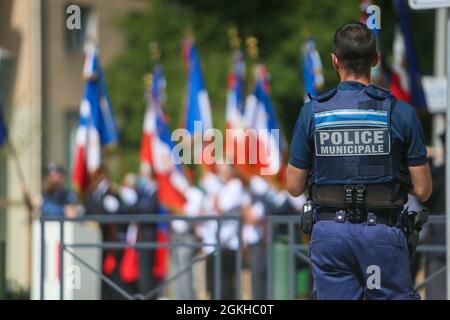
(141, 219)
(432, 219)
(297, 250)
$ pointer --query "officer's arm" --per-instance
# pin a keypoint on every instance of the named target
(421, 181)
(419, 170)
(300, 153)
(296, 180)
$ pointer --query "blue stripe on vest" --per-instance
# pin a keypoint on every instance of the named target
(351, 117)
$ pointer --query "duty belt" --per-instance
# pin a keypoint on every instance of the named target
(388, 217)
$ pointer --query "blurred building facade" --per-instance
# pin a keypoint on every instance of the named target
(41, 61)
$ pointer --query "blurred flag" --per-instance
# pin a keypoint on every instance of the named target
(198, 109)
(260, 115)
(155, 153)
(129, 265)
(161, 264)
(156, 145)
(406, 81)
(376, 72)
(379, 74)
(235, 107)
(235, 98)
(96, 126)
(312, 68)
(3, 128)
(363, 5)
(198, 106)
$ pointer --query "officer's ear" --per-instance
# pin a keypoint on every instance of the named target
(335, 61)
(376, 59)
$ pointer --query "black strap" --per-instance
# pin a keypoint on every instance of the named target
(393, 103)
(383, 216)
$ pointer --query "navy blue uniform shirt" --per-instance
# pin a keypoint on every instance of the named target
(404, 124)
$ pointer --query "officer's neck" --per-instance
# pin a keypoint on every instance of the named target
(343, 76)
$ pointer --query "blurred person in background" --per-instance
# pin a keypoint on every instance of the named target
(182, 232)
(253, 233)
(228, 201)
(147, 203)
(435, 261)
(211, 183)
(103, 199)
(128, 193)
(138, 196)
(56, 200)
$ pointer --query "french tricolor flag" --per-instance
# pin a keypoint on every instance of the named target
(406, 77)
(235, 98)
(198, 106)
(235, 117)
(312, 68)
(155, 154)
(96, 126)
(197, 117)
(156, 146)
(260, 115)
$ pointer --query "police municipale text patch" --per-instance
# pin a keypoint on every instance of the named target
(352, 142)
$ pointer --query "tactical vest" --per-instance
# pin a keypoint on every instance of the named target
(356, 163)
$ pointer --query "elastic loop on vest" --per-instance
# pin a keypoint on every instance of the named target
(360, 190)
(348, 189)
(326, 95)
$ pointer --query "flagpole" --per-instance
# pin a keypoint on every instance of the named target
(188, 37)
(253, 52)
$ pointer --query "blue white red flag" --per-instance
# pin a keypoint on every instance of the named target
(96, 126)
(379, 75)
(156, 154)
(406, 81)
(312, 68)
(156, 146)
(260, 115)
(235, 96)
(198, 106)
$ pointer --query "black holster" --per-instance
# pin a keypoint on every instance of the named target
(307, 217)
(412, 225)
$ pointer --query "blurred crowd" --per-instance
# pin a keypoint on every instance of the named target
(221, 191)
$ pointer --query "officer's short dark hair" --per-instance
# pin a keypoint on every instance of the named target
(355, 46)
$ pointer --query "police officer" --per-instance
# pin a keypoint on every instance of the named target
(361, 152)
